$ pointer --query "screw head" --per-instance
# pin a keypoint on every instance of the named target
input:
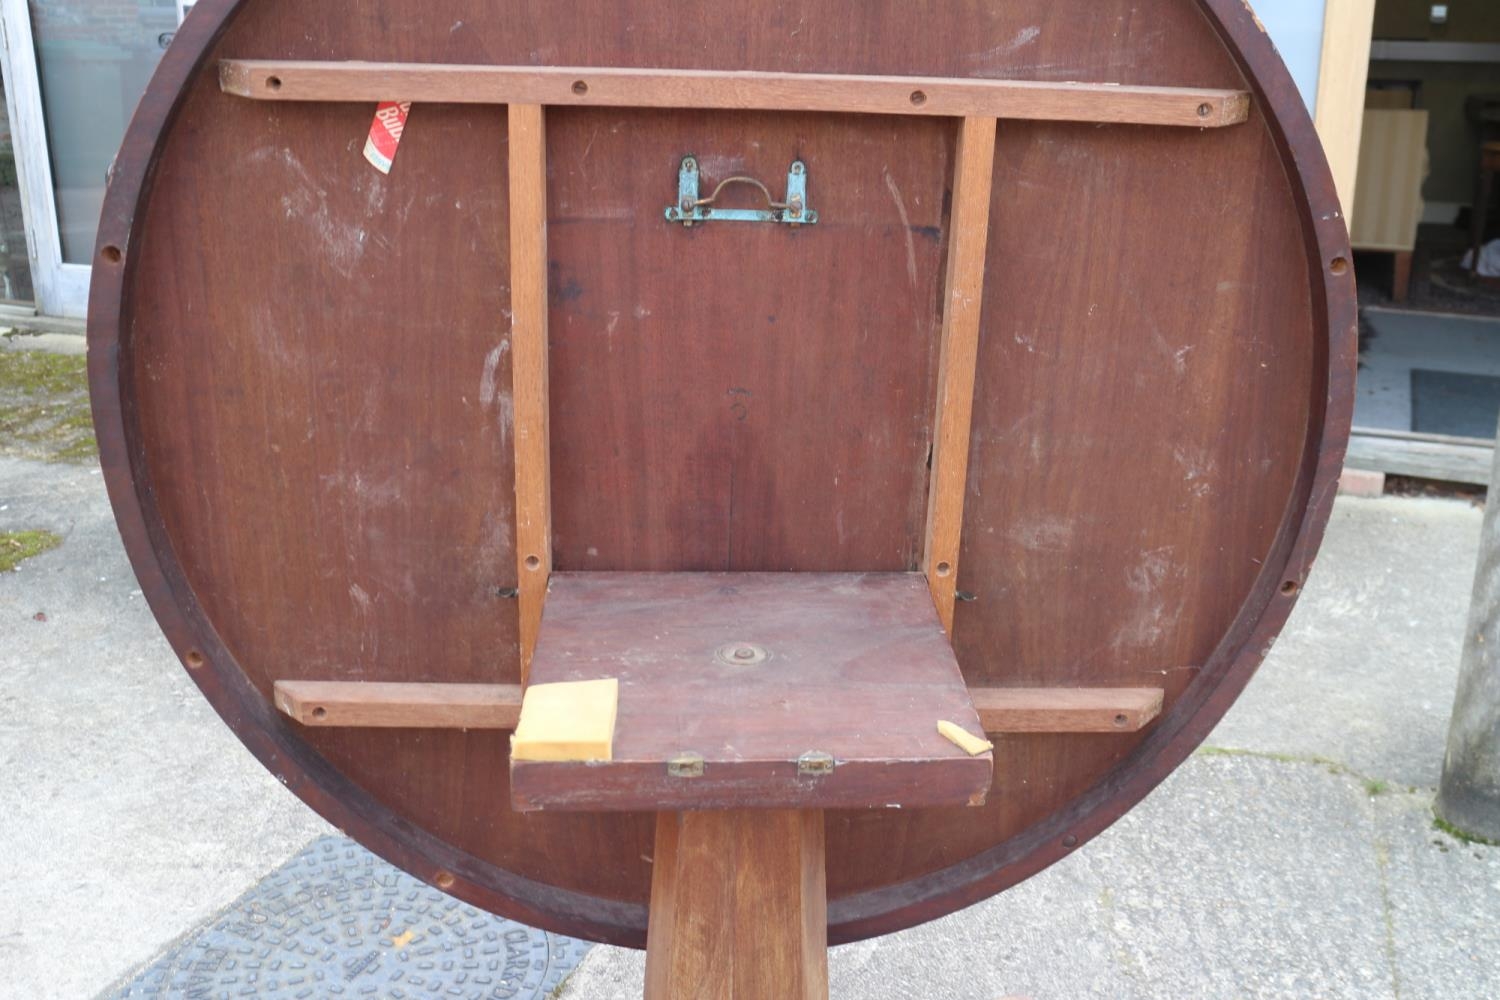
(741, 654)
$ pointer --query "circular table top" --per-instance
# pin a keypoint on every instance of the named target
(301, 376)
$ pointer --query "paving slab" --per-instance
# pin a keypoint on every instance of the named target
(131, 814)
(67, 339)
(1442, 907)
(1240, 877)
(1365, 670)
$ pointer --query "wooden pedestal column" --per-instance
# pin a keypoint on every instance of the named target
(739, 907)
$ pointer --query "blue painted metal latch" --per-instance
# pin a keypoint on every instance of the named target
(690, 208)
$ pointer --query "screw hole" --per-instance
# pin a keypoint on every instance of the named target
(533, 562)
(194, 659)
(444, 880)
(1122, 721)
(273, 83)
(918, 98)
(1339, 266)
(1289, 588)
(943, 569)
(110, 253)
(580, 88)
(1204, 110)
(320, 712)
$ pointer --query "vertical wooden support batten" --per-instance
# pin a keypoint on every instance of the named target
(968, 230)
(528, 305)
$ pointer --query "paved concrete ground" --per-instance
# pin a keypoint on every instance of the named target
(130, 813)
(1295, 858)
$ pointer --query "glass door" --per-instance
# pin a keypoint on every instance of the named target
(74, 71)
(15, 262)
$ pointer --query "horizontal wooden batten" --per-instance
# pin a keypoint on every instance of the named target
(1066, 710)
(276, 80)
(380, 705)
(497, 706)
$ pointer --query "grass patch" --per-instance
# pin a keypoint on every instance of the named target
(1376, 787)
(44, 406)
(1331, 766)
(18, 546)
(1442, 825)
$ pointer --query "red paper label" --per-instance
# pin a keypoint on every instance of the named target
(385, 133)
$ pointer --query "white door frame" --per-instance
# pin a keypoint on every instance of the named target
(61, 289)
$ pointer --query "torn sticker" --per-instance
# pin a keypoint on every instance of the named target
(385, 134)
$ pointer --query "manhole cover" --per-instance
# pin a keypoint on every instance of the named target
(336, 921)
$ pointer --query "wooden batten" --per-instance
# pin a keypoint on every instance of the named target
(968, 236)
(287, 80)
(376, 705)
(1066, 710)
(528, 305)
(498, 706)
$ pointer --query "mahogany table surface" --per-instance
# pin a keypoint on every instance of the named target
(851, 665)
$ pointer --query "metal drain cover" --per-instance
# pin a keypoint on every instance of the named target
(336, 921)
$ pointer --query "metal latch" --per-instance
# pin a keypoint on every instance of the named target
(690, 208)
(815, 763)
(687, 764)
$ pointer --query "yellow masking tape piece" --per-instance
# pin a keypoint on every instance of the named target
(571, 720)
(966, 741)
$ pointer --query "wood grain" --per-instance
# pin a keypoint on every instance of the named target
(274, 80)
(301, 376)
(738, 907)
(690, 366)
(1429, 456)
(497, 706)
(527, 157)
(396, 705)
(1066, 710)
(748, 674)
(962, 308)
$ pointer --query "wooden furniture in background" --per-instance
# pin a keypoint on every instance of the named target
(1392, 167)
(1348, 26)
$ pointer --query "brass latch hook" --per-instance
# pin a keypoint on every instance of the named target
(739, 179)
(690, 208)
